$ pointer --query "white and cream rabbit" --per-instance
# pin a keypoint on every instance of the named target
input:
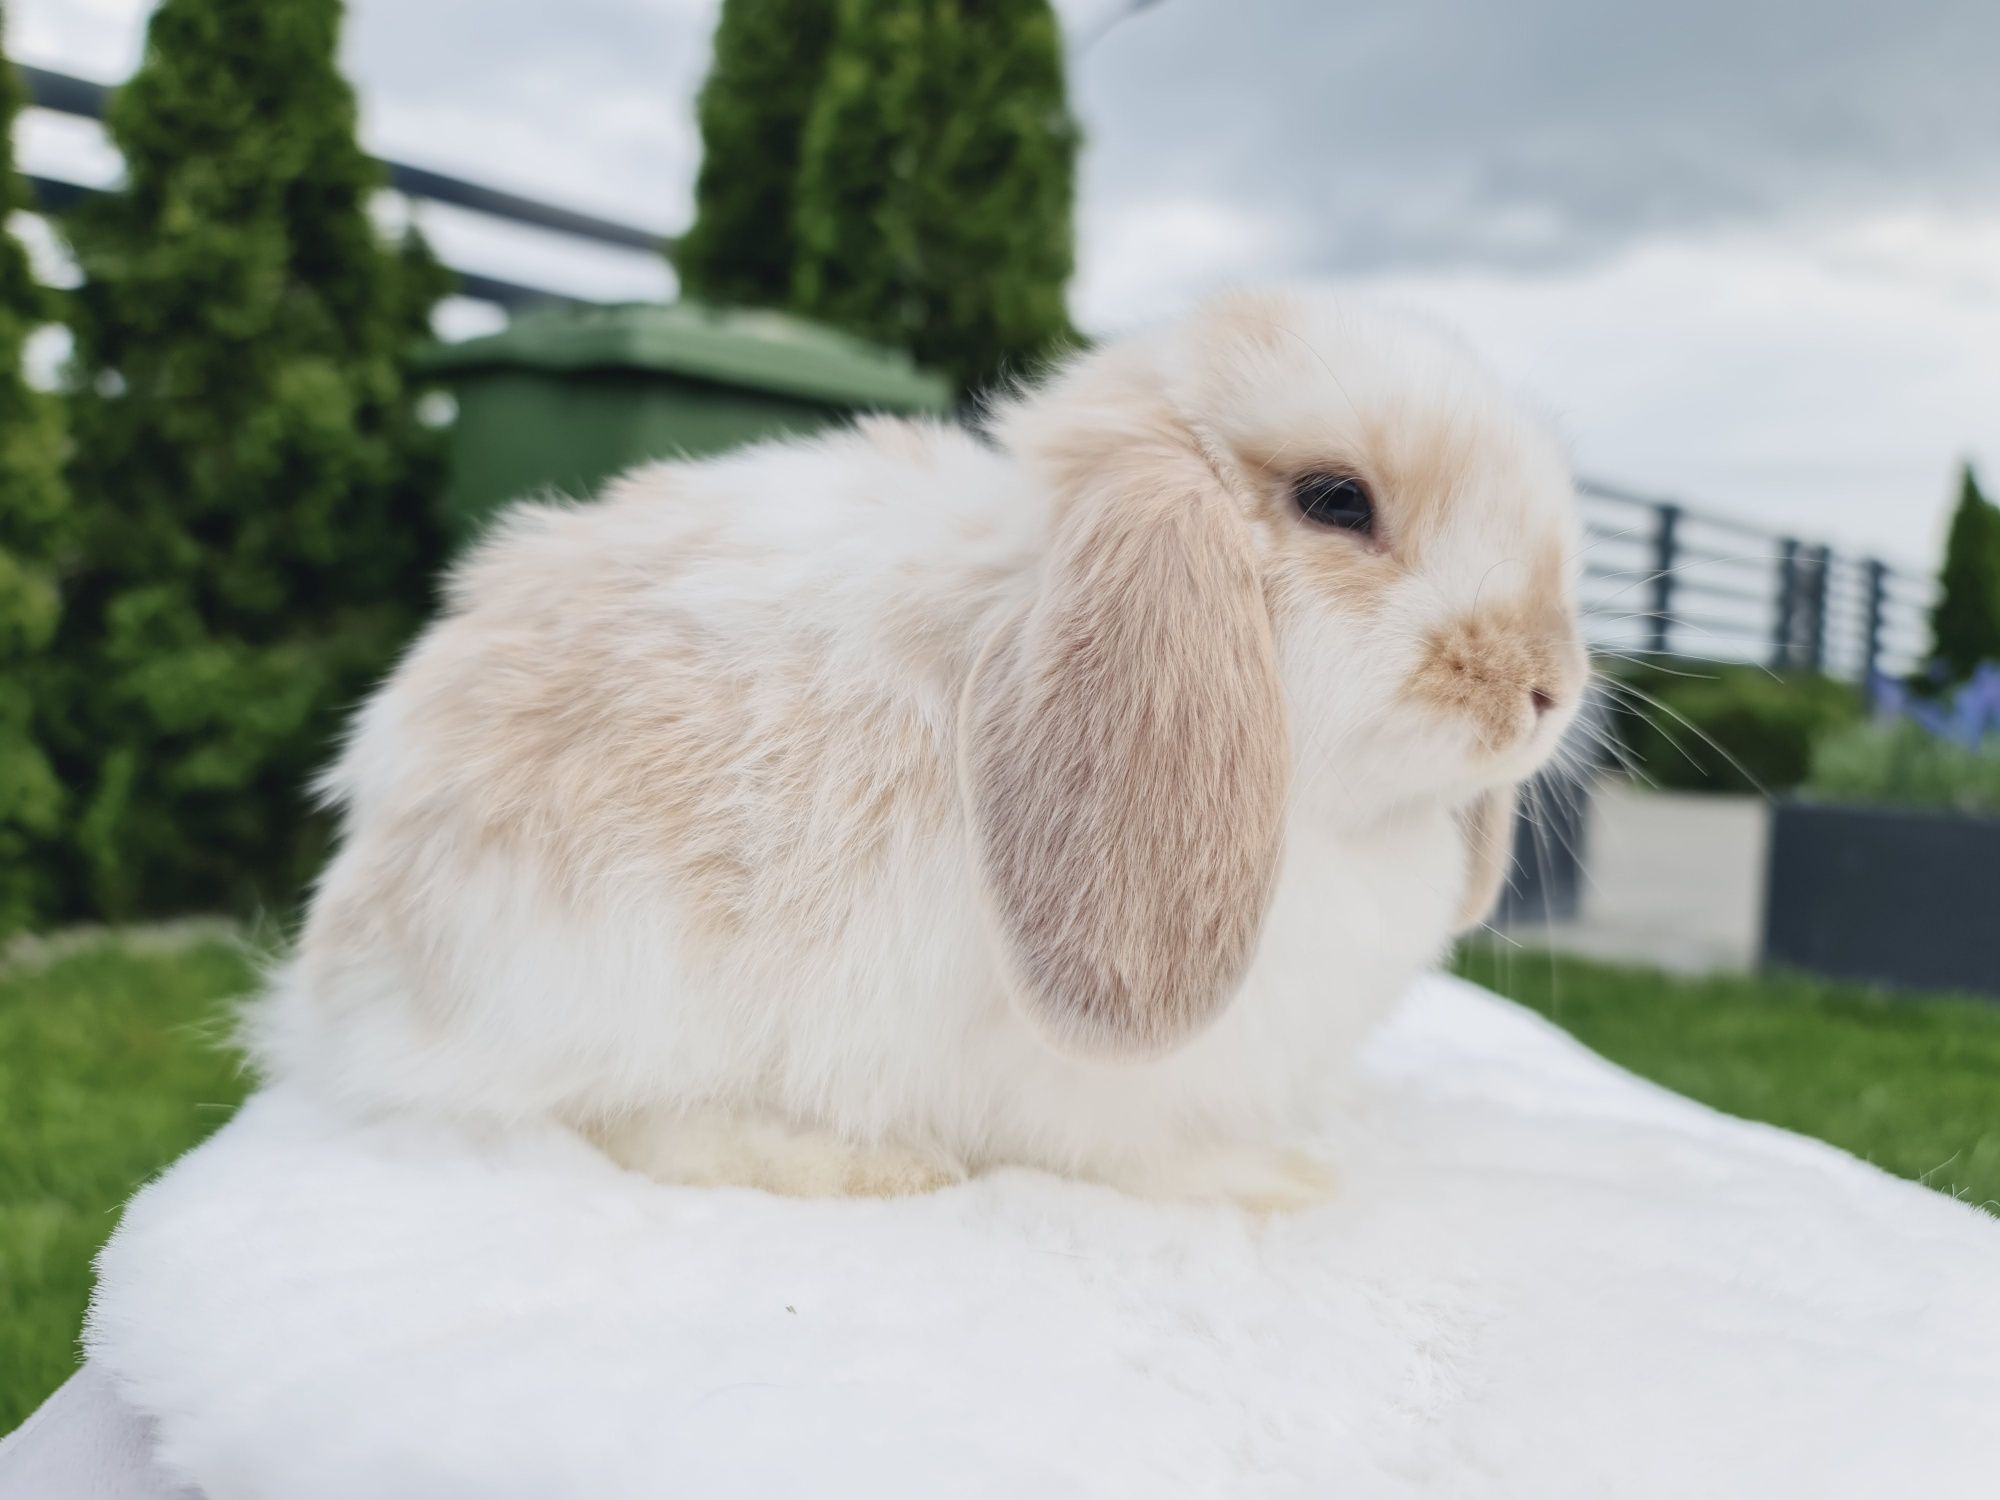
(850, 813)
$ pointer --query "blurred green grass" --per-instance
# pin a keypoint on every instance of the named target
(1910, 1083)
(112, 1063)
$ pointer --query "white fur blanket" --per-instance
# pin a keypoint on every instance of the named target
(1543, 1278)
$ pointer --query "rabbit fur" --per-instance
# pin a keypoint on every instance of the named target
(849, 813)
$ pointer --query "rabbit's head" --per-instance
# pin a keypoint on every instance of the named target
(1302, 556)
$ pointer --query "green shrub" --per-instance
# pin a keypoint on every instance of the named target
(1901, 764)
(32, 512)
(1920, 751)
(1731, 728)
(253, 488)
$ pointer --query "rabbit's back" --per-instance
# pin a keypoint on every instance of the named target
(695, 736)
(704, 637)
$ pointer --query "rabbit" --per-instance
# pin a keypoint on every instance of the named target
(851, 813)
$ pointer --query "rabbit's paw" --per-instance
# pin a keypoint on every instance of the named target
(726, 1150)
(1280, 1182)
(889, 1172)
(1257, 1179)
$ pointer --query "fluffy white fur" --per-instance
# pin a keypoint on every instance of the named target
(659, 832)
(1542, 1280)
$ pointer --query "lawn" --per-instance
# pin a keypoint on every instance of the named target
(111, 1065)
(1910, 1084)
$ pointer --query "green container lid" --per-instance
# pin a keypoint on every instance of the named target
(745, 348)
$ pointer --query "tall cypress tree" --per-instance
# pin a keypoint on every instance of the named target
(769, 55)
(1965, 623)
(252, 483)
(32, 510)
(861, 174)
(998, 243)
(936, 183)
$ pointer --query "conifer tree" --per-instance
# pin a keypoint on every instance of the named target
(995, 220)
(861, 264)
(769, 55)
(32, 512)
(252, 483)
(935, 185)
(1965, 623)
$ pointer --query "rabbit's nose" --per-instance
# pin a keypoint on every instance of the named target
(1541, 700)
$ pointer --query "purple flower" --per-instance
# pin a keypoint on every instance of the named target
(1890, 695)
(1966, 718)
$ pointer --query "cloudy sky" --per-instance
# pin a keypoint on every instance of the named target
(1746, 251)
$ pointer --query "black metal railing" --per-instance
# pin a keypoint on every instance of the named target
(61, 93)
(1660, 579)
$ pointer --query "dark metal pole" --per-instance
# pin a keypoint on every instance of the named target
(1666, 547)
(1822, 568)
(1871, 641)
(1788, 593)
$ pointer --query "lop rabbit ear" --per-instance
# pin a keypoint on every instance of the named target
(1487, 822)
(1125, 759)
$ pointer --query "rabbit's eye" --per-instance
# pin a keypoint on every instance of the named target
(1334, 500)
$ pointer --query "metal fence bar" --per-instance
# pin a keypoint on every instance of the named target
(1598, 489)
(422, 182)
(1703, 588)
(510, 294)
(54, 196)
(64, 94)
(1712, 627)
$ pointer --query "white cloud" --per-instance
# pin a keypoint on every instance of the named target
(1149, 258)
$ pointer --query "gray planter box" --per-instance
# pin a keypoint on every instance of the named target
(1546, 884)
(1886, 895)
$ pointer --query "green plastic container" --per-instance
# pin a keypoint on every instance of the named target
(561, 400)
